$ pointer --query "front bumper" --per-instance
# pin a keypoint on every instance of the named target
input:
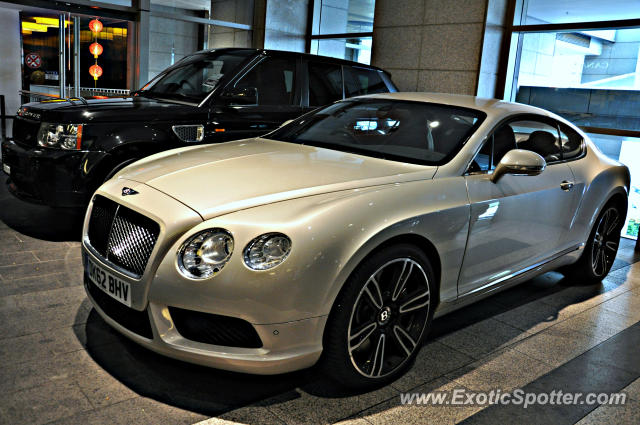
(51, 177)
(287, 344)
(285, 347)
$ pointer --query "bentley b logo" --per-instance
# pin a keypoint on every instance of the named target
(128, 191)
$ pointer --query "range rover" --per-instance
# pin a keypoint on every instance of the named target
(63, 149)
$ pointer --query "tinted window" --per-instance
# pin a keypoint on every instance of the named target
(195, 76)
(538, 137)
(274, 80)
(398, 130)
(361, 81)
(325, 83)
(571, 142)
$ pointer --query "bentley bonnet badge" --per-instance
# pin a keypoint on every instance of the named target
(128, 191)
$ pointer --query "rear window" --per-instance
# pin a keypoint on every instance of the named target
(361, 81)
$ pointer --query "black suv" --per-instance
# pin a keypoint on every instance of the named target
(62, 150)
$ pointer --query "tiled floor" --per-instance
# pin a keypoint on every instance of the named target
(60, 363)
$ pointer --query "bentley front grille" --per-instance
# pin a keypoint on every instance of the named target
(121, 235)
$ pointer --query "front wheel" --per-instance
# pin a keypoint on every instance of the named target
(381, 317)
(601, 248)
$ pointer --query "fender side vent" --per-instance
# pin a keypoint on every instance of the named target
(189, 133)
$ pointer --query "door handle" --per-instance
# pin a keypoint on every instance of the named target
(566, 185)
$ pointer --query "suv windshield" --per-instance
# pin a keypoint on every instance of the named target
(417, 132)
(193, 78)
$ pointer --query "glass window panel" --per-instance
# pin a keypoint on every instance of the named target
(360, 81)
(325, 83)
(353, 49)
(590, 78)
(564, 11)
(274, 81)
(538, 137)
(627, 151)
(343, 16)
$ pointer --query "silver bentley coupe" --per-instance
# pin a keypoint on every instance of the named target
(337, 238)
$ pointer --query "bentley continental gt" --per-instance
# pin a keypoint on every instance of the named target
(337, 238)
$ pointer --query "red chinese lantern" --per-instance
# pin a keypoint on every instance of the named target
(96, 49)
(95, 26)
(95, 71)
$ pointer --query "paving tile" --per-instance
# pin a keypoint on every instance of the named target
(483, 337)
(598, 322)
(393, 412)
(434, 360)
(633, 390)
(44, 403)
(301, 407)
(34, 284)
(533, 317)
(557, 345)
(504, 370)
(12, 350)
(16, 258)
(74, 267)
(255, 415)
(73, 295)
(102, 389)
(46, 319)
(64, 252)
(629, 413)
(626, 304)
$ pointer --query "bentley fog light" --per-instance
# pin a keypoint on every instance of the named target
(64, 136)
(205, 253)
(267, 251)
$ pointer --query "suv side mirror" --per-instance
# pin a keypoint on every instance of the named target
(244, 96)
(519, 162)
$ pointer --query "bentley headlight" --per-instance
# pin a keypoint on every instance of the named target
(267, 251)
(205, 253)
(64, 136)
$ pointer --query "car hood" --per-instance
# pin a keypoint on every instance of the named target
(115, 109)
(222, 178)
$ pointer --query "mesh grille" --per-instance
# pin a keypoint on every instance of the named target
(25, 132)
(186, 133)
(121, 235)
(214, 329)
(100, 224)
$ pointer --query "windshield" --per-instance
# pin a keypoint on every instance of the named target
(418, 132)
(195, 76)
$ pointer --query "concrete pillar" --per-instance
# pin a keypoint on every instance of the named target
(143, 27)
(286, 25)
(10, 64)
(433, 45)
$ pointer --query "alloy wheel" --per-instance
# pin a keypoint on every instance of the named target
(388, 318)
(605, 242)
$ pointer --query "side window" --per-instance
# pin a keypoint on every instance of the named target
(482, 161)
(538, 137)
(571, 142)
(325, 83)
(274, 80)
(361, 81)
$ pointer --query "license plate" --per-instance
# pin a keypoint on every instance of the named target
(111, 285)
(6, 168)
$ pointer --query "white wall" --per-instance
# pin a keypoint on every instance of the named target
(10, 60)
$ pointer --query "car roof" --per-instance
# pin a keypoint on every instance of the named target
(295, 54)
(492, 107)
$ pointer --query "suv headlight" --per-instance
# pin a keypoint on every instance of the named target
(267, 251)
(64, 136)
(205, 253)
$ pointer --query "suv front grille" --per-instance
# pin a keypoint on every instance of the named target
(122, 236)
(25, 132)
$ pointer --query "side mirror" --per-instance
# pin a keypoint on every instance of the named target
(242, 96)
(519, 162)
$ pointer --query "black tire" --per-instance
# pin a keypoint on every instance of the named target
(405, 279)
(601, 247)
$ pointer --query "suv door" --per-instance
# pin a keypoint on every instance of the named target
(518, 221)
(361, 81)
(275, 81)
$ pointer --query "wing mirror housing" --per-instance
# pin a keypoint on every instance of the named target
(241, 96)
(519, 162)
